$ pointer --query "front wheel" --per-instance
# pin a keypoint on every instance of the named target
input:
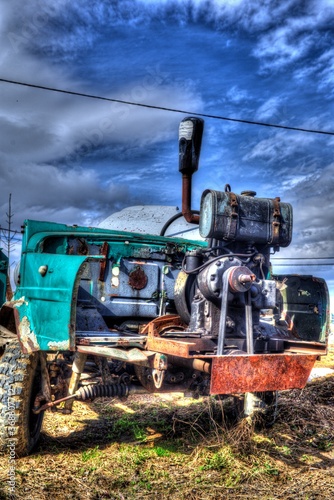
(20, 382)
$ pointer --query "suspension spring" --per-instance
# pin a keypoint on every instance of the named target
(102, 391)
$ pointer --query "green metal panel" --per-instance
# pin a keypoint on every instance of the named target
(37, 231)
(306, 306)
(49, 275)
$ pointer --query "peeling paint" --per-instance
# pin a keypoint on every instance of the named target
(63, 345)
(27, 336)
(18, 303)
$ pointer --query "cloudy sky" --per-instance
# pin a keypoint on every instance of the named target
(76, 160)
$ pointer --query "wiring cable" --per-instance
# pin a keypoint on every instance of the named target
(162, 108)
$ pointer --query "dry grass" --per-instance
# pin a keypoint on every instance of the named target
(173, 448)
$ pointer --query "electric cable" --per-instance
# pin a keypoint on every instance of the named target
(162, 108)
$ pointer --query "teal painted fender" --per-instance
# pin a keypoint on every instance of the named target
(46, 303)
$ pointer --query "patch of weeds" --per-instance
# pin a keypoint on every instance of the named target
(86, 471)
(284, 450)
(154, 412)
(263, 440)
(217, 461)
(120, 482)
(322, 441)
(162, 452)
(233, 479)
(265, 468)
(142, 455)
(90, 454)
(21, 473)
(135, 455)
(122, 425)
(164, 475)
(163, 426)
(144, 480)
(139, 434)
(324, 445)
(308, 459)
(145, 484)
(271, 469)
(126, 425)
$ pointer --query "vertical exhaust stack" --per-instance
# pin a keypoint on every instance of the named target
(190, 140)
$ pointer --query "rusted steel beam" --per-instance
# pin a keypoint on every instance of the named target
(303, 347)
(103, 264)
(187, 348)
(257, 373)
(170, 346)
(154, 327)
(129, 356)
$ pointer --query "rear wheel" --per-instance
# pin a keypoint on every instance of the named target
(20, 382)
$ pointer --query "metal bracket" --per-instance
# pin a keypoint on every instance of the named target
(158, 377)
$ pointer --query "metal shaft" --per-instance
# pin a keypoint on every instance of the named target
(223, 313)
(249, 324)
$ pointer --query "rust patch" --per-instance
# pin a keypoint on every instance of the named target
(27, 337)
(18, 303)
(157, 325)
(137, 278)
(83, 248)
(131, 356)
(257, 373)
(63, 345)
(185, 348)
(103, 264)
(170, 346)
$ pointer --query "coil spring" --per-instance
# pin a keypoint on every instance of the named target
(102, 391)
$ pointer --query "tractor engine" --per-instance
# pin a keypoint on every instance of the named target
(226, 290)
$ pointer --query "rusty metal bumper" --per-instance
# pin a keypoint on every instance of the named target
(259, 372)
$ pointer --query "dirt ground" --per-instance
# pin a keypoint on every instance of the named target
(163, 447)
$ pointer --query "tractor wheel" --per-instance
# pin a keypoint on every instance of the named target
(20, 382)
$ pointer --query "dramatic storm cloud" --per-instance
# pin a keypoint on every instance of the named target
(76, 160)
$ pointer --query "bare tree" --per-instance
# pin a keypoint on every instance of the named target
(8, 237)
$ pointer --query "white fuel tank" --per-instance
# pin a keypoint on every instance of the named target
(150, 219)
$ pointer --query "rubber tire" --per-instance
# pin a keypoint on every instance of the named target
(20, 381)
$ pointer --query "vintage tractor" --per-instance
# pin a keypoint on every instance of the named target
(108, 313)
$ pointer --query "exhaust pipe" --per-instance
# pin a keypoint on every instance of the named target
(190, 140)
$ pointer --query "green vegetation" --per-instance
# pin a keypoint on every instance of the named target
(167, 448)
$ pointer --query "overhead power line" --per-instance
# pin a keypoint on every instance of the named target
(303, 258)
(305, 265)
(173, 110)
